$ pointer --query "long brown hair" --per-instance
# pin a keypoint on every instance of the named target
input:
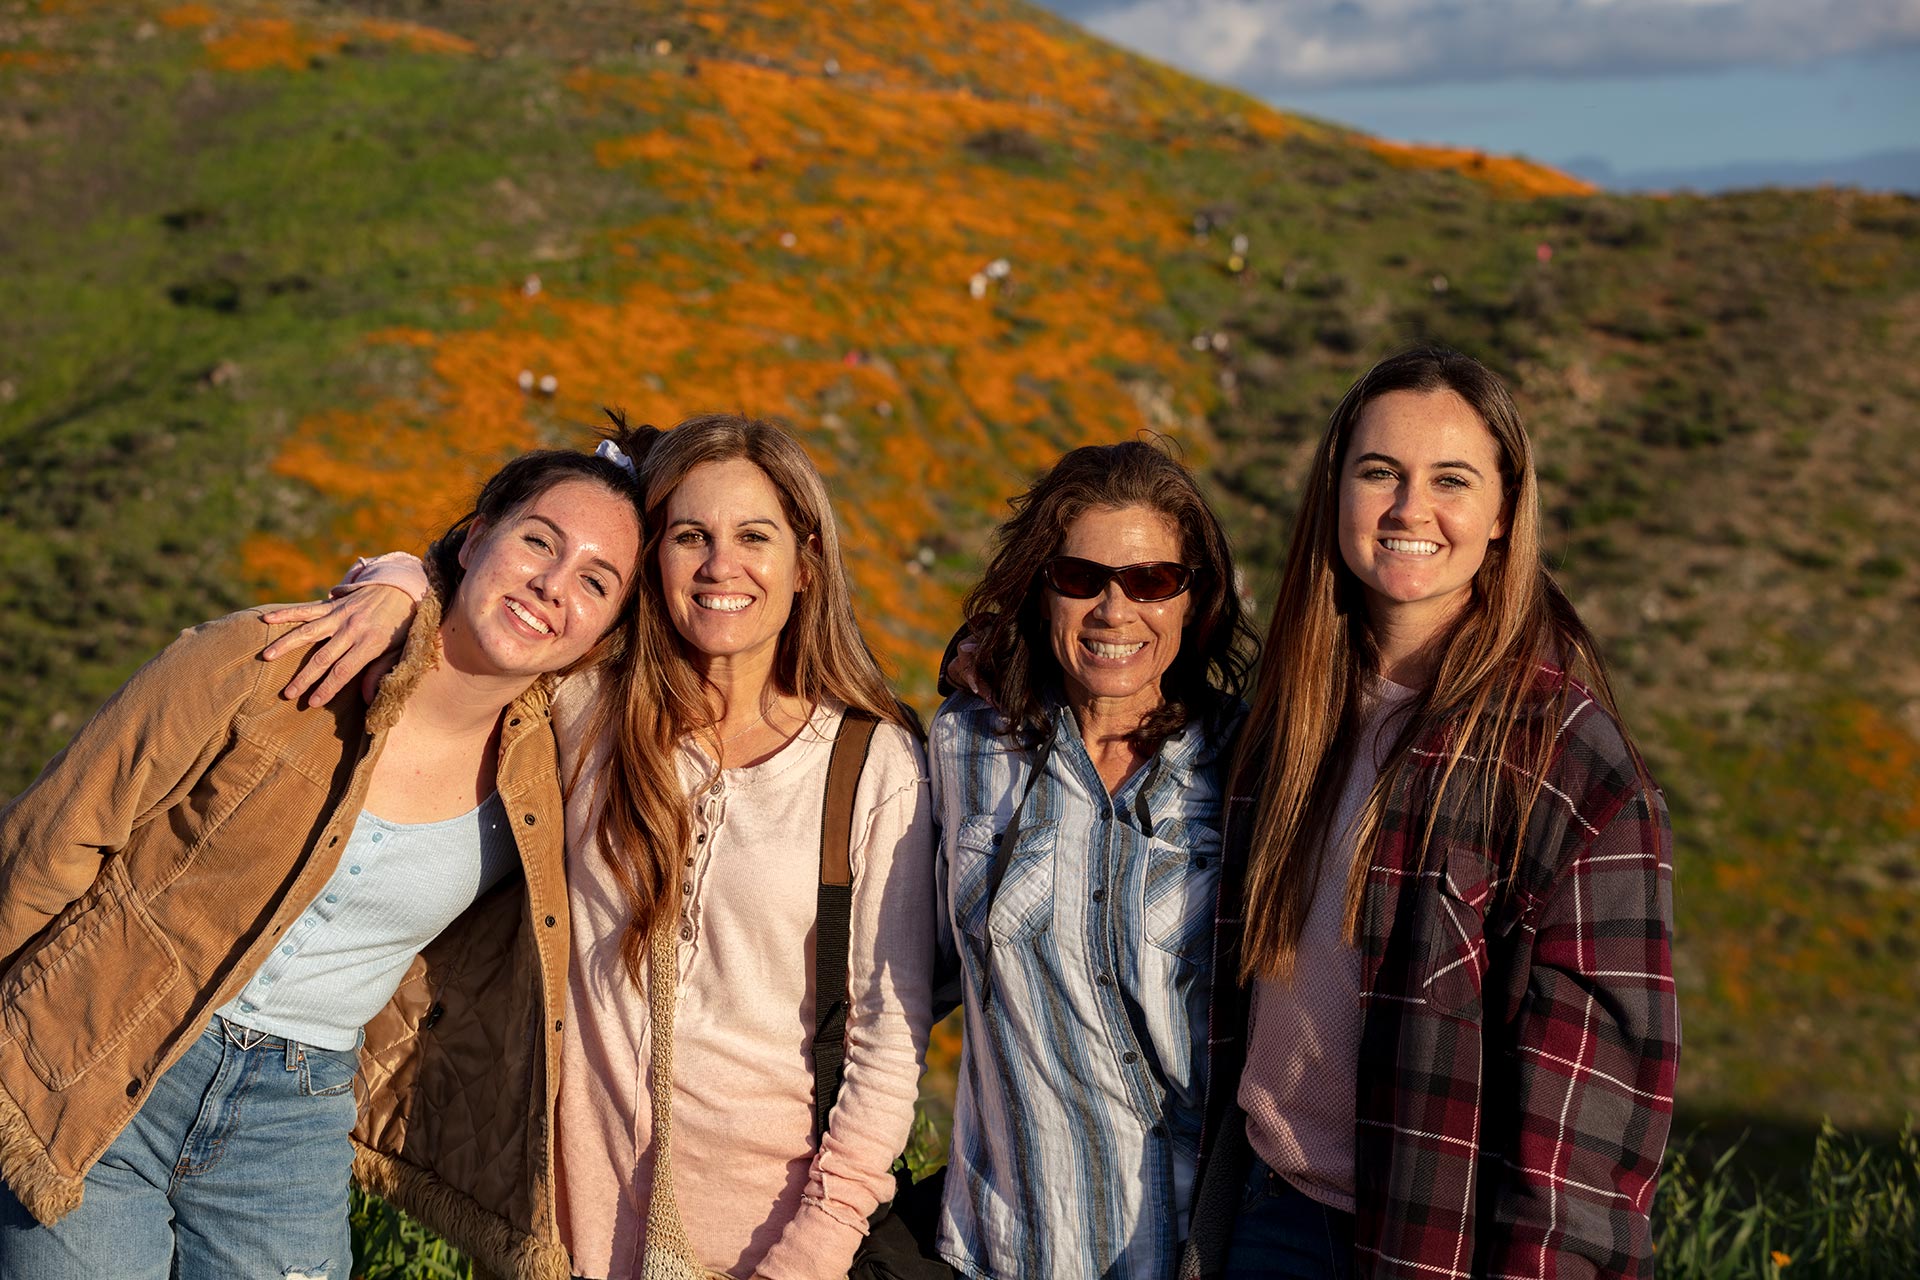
(1006, 611)
(654, 701)
(1304, 727)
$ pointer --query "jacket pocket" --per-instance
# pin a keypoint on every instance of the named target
(100, 972)
(1457, 958)
(1179, 891)
(237, 775)
(1022, 905)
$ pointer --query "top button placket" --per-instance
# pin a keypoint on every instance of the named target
(706, 819)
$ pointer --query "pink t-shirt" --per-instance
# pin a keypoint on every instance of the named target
(1303, 1047)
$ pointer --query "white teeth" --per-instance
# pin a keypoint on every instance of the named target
(1410, 546)
(723, 604)
(529, 619)
(1102, 650)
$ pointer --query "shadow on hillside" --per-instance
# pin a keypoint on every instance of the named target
(1769, 1147)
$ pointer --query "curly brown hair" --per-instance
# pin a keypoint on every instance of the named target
(1007, 616)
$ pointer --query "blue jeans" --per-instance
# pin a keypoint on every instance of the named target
(1284, 1234)
(236, 1165)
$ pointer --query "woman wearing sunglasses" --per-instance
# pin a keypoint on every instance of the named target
(1080, 853)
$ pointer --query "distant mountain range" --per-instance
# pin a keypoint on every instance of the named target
(1876, 171)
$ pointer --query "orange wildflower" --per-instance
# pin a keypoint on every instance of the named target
(185, 16)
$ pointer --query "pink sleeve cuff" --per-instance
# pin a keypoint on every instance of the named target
(399, 569)
(817, 1245)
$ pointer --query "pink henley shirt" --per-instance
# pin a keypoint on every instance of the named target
(755, 1196)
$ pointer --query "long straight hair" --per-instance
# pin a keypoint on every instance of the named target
(1486, 701)
(653, 702)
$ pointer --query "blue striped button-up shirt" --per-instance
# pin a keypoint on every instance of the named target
(1084, 979)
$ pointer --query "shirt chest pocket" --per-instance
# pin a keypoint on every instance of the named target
(1179, 889)
(1457, 957)
(1003, 894)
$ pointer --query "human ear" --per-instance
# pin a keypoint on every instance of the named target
(476, 533)
(803, 574)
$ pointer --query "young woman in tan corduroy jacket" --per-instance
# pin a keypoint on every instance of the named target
(212, 905)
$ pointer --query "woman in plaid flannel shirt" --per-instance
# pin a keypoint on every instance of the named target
(1452, 1051)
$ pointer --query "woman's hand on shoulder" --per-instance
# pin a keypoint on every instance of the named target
(964, 671)
(358, 634)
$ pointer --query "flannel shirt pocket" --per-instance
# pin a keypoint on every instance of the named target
(1457, 958)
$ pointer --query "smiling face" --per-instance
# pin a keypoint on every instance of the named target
(1112, 650)
(543, 585)
(729, 562)
(1420, 499)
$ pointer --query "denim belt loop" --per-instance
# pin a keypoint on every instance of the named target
(293, 1054)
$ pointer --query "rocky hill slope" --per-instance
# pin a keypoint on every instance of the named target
(282, 280)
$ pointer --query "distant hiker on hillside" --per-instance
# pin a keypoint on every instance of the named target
(748, 900)
(213, 907)
(1460, 1032)
(1080, 815)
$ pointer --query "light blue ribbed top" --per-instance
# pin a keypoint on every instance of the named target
(397, 886)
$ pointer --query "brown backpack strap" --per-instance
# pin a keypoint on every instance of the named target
(834, 919)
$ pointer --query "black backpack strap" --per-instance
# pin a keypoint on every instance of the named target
(834, 919)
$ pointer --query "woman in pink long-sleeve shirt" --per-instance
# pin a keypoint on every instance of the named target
(696, 778)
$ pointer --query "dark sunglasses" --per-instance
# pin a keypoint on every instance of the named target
(1148, 583)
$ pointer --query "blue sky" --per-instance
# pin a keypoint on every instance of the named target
(1638, 85)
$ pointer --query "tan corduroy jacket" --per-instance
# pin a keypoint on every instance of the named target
(147, 873)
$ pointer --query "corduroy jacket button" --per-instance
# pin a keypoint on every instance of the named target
(530, 819)
(551, 922)
(133, 1088)
(513, 722)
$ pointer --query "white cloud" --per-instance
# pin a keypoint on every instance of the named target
(1276, 45)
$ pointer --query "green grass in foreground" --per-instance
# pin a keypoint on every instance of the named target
(388, 1245)
(1852, 1214)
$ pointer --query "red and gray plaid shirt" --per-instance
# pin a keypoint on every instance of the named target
(1519, 1036)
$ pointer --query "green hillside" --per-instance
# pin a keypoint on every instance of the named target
(273, 275)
